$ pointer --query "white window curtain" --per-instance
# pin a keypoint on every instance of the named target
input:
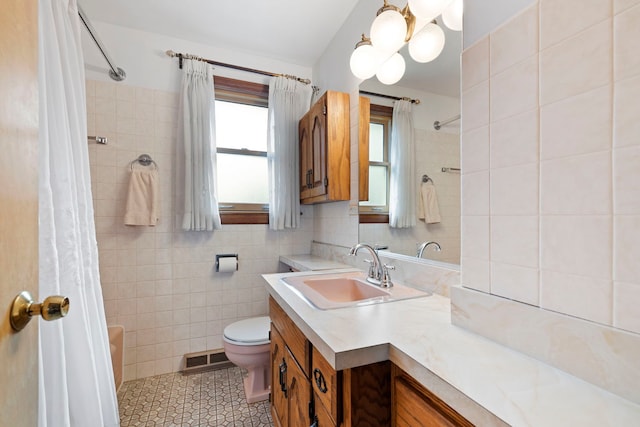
(288, 101)
(76, 386)
(402, 198)
(197, 138)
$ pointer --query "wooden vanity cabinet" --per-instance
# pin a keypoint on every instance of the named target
(306, 390)
(290, 364)
(415, 406)
(326, 384)
(298, 393)
(324, 139)
(279, 402)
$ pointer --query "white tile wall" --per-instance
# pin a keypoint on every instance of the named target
(514, 141)
(576, 125)
(514, 43)
(562, 19)
(475, 64)
(561, 182)
(159, 282)
(577, 64)
(621, 5)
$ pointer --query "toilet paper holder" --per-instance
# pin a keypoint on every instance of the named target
(219, 256)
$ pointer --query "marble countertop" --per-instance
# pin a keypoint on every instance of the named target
(470, 370)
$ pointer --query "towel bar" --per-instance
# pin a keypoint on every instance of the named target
(144, 160)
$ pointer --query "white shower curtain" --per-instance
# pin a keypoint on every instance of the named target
(76, 383)
(198, 138)
(402, 192)
(288, 101)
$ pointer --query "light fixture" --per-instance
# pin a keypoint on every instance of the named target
(452, 15)
(428, 9)
(364, 60)
(389, 29)
(427, 44)
(393, 28)
(391, 70)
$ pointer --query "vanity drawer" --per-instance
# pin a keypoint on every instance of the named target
(295, 340)
(326, 383)
(322, 415)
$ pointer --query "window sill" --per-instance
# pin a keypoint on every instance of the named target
(373, 218)
(244, 217)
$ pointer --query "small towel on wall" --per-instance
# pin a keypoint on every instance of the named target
(428, 208)
(143, 198)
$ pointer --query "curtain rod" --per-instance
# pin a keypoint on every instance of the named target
(397, 98)
(182, 56)
(116, 73)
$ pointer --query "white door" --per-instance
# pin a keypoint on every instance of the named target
(18, 207)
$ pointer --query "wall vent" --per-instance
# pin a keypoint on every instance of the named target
(205, 360)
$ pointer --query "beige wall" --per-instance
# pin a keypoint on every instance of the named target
(159, 282)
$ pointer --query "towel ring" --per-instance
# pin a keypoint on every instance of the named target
(425, 178)
(144, 160)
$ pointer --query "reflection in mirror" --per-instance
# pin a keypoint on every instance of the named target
(437, 155)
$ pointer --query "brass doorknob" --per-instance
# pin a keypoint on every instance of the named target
(24, 308)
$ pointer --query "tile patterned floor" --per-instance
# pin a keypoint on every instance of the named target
(211, 398)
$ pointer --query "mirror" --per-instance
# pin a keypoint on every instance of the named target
(437, 153)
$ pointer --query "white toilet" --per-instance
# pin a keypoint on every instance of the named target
(246, 344)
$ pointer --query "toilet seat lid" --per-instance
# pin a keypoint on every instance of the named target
(249, 331)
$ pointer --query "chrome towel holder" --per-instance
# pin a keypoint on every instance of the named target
(144, 160)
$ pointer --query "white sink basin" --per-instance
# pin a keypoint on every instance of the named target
(329, 291)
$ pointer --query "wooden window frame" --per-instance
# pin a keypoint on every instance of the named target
(371, 215)
(248, 93)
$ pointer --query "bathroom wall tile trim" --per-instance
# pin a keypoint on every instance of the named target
(604, 356)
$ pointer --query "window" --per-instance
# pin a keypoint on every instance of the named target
(241, 140)
(379, 135)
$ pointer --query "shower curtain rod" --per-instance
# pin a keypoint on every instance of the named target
(437, 124)
(182, 56)
(397, 98)
(116, 73)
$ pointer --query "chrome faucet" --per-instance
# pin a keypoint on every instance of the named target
(378, 272)
(424, 245)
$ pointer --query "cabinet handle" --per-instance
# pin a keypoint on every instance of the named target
(321, 383)
(310, 178)
(283, 377)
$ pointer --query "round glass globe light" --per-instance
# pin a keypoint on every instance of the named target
(364, 61)
(428, 9)
(388, 31)
(427, 44)
(452, 15)
(392, 70)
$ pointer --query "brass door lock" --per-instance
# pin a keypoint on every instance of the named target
(24, 308)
